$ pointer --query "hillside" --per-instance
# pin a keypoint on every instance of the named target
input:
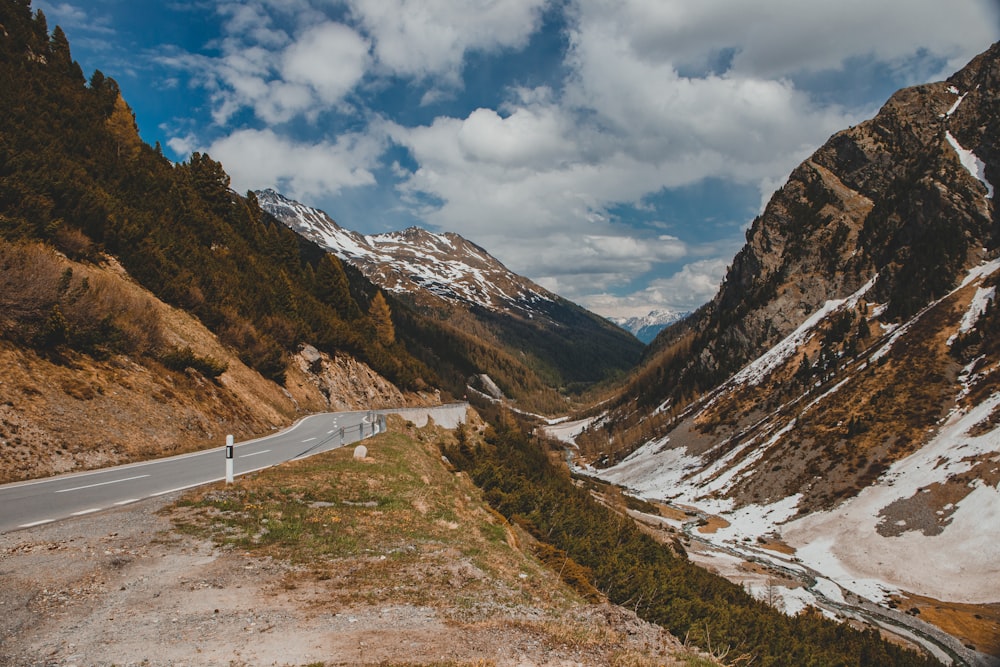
(145, 308)
(839, 394)
(64, 410)
(77, 176)
(544, 340)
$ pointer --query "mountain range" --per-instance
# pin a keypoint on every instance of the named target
(646, 327)
(833, 411)
(840, 395)
(424, 266)
(458, 284)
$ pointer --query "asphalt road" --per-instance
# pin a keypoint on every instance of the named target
(27, 504)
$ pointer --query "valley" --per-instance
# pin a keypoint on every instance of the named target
(804, 469)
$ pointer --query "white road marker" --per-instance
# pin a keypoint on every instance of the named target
(308, 439)
(36, 523)
(263, 451)
(90, 486)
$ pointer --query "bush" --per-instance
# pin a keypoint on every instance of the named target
(182, 358)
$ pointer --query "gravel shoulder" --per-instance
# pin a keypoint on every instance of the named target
(122, 587)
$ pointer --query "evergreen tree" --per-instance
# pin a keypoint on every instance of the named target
(385, 332)
(333, 289)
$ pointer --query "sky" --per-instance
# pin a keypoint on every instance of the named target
(613, 151)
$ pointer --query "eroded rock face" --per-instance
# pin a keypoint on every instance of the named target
(340, 383)
(860, 255)
(889, 197)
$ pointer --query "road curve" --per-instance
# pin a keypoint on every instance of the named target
(27, 504)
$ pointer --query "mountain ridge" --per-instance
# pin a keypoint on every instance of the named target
(414, 260)
(839, 395)
(453, 281)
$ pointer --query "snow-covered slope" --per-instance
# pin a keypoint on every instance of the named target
(929, 524)
(527, 339)
(837, 405)
(414, 261)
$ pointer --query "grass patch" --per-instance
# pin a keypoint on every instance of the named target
(405, 526)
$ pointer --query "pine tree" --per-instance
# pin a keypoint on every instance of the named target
(381, 316)
(333, 288)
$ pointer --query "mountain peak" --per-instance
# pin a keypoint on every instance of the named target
(646, 327)
(415, 261)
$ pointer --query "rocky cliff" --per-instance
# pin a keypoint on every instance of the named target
(842, 390)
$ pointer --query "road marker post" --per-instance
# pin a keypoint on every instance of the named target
(229, 459)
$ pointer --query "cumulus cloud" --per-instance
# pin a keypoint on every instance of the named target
(257, 159)
(651, 95)
(329, 58)
(695, 284)
(422, 38)
(778, 38)
(279, 65)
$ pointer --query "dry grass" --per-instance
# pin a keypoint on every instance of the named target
(976, 625)
(712, 524)
(69, 411)
(406, 528)
(776, 545)
(401, 528)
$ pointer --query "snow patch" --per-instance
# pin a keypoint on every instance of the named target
(829, 590)
(954, 107)
(568, 430)
(759, 369)
(960, 564)
(973, 164)
(977, 307)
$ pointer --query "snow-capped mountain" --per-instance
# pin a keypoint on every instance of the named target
(646, 327)
(521, 328)
(839, 398)
(414, 261)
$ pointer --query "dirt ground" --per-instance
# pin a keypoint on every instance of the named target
(124, 588)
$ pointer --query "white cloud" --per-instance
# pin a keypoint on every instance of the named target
(781, 37)
(658, 94)
(280, 74)
(70, 16)
(258, 159)
(330, 58)
(422, 38)
(695, 284)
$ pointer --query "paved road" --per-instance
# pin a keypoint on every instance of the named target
(27, 504)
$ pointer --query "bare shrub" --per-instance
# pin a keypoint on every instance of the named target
(73, 243)
(106, 315)
(45, 303)
(31, 277)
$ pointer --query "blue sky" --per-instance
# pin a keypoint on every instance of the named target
(614, 151)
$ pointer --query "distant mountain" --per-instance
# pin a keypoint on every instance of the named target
(647, 327)
(415, 262)
(447, 278)
(842, 389)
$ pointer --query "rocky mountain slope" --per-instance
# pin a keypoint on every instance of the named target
(67, 411)
(454, 281)
(427, 266)
(842, 390)
(145, 308)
